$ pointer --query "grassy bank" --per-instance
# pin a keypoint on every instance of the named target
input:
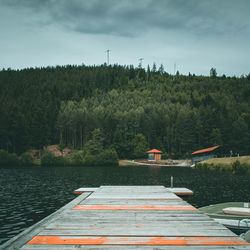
(235, 165)
(127, 163)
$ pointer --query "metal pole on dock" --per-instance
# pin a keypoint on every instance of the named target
(172, 182)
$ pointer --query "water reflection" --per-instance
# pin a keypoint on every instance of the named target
(28, 195)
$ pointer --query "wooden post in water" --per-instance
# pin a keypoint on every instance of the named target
(172, 182)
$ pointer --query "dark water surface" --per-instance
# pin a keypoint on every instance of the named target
(29, 194)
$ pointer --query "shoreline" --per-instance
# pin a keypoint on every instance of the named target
(132, 163)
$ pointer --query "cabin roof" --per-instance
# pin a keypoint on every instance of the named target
(205, 150)
(154, 151)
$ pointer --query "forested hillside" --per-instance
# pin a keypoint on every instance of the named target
(129, 109)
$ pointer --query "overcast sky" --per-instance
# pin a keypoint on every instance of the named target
(194, 34)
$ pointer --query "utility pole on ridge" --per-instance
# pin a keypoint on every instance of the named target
(140, 62)
(174, 68)
(108, 56)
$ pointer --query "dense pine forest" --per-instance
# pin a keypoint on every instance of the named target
(125, 108)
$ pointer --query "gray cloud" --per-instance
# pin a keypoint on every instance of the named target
(133, 17)
(195, 34)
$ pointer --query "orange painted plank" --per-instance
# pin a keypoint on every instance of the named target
(133, 207)
(64, 240)
(179, 193)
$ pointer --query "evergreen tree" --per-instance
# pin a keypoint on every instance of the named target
(65, 104)
(140, 146)
(154, 68)
(95, 145)
(216, 137)
(161, 69)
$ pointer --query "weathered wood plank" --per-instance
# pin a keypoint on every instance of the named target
(102, 232)
(133, 215)
(133, 202)
(135, 196)
(127, 247)
(133, 187)
(168, 220)
(133, 192)
(64, 220)
(134, 207)
(83, 224)
(83, 240)
(180, 191)
(137, 230)
(138, 212)
(146, 220)
(85, 189)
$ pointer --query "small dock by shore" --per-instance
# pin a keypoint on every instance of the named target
(127, 217)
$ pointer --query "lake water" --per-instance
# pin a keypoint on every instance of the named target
(29, 194)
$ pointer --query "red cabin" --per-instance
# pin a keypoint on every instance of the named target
(154, 155)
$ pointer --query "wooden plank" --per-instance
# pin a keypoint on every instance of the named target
(115, 189)
(126, 196)
(134, 207)
(180, 191)
(135, 247)
(132, 202)
(136, 232)
(82, 240)
(133, 187)
(102, 219)
(139, 189)
(187, 220)
(191, 221)
(135, 215)
(65, 222)
(85, 189)
(92, 223)
(138, 213)
(133, 192)
(118, 228)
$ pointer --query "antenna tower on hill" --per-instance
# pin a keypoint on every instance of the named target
(108, 51)
(140, 62)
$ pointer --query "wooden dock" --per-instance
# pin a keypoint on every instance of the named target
(127, 217)
(175, 190)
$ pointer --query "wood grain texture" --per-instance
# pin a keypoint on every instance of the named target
(131, 217)
(135, 207)
(134, 247)
(74, 240)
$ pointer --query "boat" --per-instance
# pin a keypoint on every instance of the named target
(233, 215)
(246, 236)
